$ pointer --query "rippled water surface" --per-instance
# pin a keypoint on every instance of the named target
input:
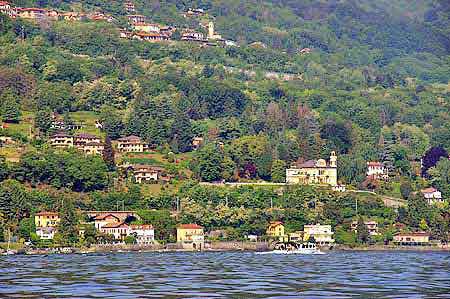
(227, 275)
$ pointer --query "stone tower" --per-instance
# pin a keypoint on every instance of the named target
(333, 159)
(211, 30)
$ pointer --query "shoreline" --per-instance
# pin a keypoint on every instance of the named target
(130, 249)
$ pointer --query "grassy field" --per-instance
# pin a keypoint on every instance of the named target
(87, 118)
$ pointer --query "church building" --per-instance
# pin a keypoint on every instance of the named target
(319, 172)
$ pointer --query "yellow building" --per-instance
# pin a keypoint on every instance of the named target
(191, 236)
(46, 219)
(322, 234)
(320, 172)
(275, 229)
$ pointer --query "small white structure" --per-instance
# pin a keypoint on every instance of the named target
(46, 233)
(252, 238)
(339, 188)
(376, 170)
(432, 195)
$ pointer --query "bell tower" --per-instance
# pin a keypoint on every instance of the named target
(333, 159)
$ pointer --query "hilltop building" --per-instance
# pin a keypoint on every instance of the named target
(146, 27)
(129, 6)
(211, 33)
(131, 144)
(432, 195)
(191, 236)
(376, 170)
(147, 173)
(314, 172)
(136, 18)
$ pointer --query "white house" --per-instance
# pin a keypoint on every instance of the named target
(46, 233)
(322, 234)
(376, 170)
(432, 195)
(144, 234)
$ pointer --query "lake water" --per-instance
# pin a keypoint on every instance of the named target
(227, 275)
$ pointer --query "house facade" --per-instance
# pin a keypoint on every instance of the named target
(46, 224)
(322, 234)
(150, 37)
(147, 173)
(314, 172)
(62, 140)
(136, 18)
(376, 170)
(31, 13)
(146, 27)
(131, 144)
(191, 236)
(432, 195)
(144, 234)
(275, 229)
(372, 227)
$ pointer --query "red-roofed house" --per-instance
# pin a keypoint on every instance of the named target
(31, 13)
(432, 195)
(144, 233)
(191, 236)
(119, 230)
(104, 219)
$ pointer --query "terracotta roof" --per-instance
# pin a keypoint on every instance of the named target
(428, 190)
(61, 135)
(102, 217)
(115, 225)
(31, 9)
(275, 224)
(307, 164)
(190, 226)
(47, 214)
(4, 3)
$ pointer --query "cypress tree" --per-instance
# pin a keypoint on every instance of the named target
(108, 154)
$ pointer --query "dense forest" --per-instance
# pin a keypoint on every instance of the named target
(374, 86)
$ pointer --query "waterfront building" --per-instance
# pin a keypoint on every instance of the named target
(322, 234)
(314, 172)
(144, 233)
(432, 195)
(104, 219)
(275, 229)
(46, 224)
(119, 230)
(372, 227)
(412, 239)
(191, 236)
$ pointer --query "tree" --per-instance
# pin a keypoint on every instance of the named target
(181, 133)
(112, 122)
(67, 227)
(44, 121)
(387, 143)
(431, 158)
(14, 201)
(130, 239)
(423, 225)
(405, 188)
(207, 162)
(440, 176)
(361, 231)
(278, 172)
(9, 107)
(4, 169)
(108, 154)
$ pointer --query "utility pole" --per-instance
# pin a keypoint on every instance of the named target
(356, 204)
(271, 203)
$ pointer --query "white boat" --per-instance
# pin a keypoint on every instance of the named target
(297, 248)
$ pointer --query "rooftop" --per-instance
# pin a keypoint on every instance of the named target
(47, 214)
(190, 226)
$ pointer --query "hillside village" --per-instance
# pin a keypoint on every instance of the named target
(169, 135)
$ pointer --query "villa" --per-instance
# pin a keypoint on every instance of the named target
(146, 27)
(314, 172)
(46, 224)
(147, 173)
(62, 140)
(136, 18)
(131, 144)
(150, 37)
(275, 229)
(191, 236)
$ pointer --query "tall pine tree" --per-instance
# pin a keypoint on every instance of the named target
(181, 133)
(108, 154)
